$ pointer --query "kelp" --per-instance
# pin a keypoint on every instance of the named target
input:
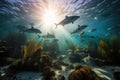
(104, 48)
(31, 48)
(110, 50)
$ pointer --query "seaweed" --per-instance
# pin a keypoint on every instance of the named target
(104, 48)
(110, 50)
(93, 50)
(31, 48)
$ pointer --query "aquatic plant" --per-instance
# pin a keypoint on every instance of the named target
(110, 50)
(93, 50)
(31, 48)
(104, 48)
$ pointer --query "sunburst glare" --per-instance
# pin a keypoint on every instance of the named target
(49, 17)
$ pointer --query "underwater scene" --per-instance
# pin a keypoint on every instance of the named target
(59, 39)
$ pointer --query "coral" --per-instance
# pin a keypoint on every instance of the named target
(110, 50)
(83, 73)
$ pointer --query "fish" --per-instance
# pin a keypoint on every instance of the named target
(81, 33)
(92, 30)
(67, 20)
(33, 30)
(92, 37)
(48, 36)
(89, 37)
(80, 28)
(110, 28)
(113, 27)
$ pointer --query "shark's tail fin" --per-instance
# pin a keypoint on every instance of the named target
(56, 25)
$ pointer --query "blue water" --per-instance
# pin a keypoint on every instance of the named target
(102, 15)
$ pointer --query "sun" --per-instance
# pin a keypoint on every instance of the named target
(49, 17)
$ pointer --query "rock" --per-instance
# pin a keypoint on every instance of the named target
(75, 57)
(48, 74)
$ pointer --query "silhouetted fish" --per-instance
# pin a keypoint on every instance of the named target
(48, 36)
(92, 30)
(32, 30)
(67, 20)
(80, 28)
(81, 33)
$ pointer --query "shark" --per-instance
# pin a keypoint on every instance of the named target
(80, 28)
(67, 20)
(33, 30)
(48, 35)
(92, 30)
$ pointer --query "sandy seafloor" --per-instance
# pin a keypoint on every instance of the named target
(105, 72)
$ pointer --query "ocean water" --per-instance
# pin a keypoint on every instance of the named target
(53, 22)
(100, 15)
